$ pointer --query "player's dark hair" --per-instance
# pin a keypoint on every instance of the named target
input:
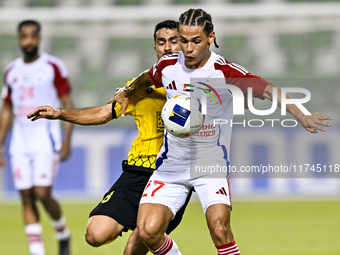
(170, 24)
(29, 22)
(198, 17)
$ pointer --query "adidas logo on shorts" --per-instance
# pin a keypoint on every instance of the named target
(222, 191)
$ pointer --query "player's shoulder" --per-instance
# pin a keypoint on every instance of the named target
(169, 59)
(224, 65)
(218, 59)
(51, 59)
(56, 62)
(12, 65)
(164, 62)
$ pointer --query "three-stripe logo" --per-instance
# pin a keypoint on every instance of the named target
(172, 85)
(222, 191)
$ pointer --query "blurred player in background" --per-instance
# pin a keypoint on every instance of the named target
(117, 212)
(35, 148)
(171, 182)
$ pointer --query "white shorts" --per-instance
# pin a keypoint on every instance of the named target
(37, 170)
(167, 188)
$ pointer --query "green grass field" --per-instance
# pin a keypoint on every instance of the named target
(261, 228)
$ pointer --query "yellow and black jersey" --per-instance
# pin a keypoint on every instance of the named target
(146, 107)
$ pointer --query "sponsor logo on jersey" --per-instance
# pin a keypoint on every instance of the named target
(207, 130)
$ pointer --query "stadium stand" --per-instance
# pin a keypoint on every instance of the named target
(284, 44)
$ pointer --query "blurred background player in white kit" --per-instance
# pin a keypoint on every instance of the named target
(35, 148)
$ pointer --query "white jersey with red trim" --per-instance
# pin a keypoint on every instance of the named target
(27, 86)
(211, 145)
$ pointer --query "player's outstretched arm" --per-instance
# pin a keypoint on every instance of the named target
(122, 96)
(311, 123)
(85, 116)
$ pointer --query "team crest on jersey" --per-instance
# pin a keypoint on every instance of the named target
(39, 78)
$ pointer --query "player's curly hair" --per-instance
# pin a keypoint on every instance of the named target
(170, 24)
(198, 17)
(29, 22)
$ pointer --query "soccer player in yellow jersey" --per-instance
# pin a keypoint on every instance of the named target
(117, 212)
(146, 108)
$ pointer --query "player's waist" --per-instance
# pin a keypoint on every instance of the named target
(132, 166)
(176, 154)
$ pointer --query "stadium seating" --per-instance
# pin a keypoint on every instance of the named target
(99, 59)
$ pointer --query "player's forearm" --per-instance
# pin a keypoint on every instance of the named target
(86, 116)
(68, 132)
(142, 81)
(291, 108)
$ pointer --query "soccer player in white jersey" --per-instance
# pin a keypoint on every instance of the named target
(171, 181)
(35, 148)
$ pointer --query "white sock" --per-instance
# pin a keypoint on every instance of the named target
(169, 247)
(34, 236)
(61, 231)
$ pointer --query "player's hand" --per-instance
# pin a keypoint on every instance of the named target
(65, 151)
(314, 122)
(122, 99)
(46, 112)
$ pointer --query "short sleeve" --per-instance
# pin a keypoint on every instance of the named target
(238, 76)
(155, 71)
(60, 79)
(156, 76)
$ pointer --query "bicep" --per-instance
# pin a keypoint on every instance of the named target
(143, 80)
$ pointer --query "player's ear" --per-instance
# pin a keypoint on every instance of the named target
(211, 37)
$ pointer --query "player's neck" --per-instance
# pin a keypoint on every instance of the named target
(31, 59)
